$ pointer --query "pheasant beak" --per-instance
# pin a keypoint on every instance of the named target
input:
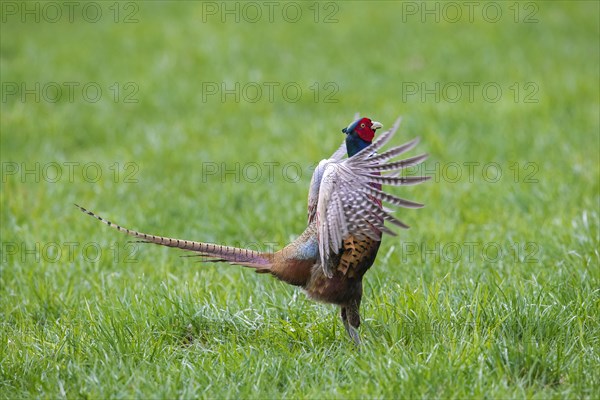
(376, 125)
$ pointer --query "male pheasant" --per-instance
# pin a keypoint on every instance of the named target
(345, 223)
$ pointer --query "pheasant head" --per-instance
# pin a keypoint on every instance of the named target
(360, 134)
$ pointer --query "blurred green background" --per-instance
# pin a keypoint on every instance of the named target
(204, 120)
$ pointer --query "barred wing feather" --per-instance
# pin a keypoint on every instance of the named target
(315, 181)
(349, 195)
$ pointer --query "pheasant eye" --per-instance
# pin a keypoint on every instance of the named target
(362, 125)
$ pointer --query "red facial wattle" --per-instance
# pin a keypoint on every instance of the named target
(364, 131)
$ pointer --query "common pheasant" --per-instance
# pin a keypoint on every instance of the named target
(345, 223)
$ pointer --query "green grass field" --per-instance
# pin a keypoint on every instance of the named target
(204, 121)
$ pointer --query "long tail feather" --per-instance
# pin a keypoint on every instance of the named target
(214, 252)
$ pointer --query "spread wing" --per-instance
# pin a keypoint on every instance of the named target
(315, 181)
(350, 195)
